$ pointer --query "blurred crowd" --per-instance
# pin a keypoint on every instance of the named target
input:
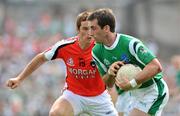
(19, 44)
(36, 94)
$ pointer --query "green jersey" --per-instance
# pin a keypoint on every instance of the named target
(125, 48)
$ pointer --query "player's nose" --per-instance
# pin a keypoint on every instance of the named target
(90, 32)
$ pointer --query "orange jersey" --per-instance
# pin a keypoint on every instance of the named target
(83, 77)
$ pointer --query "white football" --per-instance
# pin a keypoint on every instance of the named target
(129, 71)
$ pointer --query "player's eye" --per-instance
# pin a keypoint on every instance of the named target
(85, 28)
(93, 28)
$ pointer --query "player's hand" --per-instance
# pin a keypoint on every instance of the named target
(124, 84)
(13, 83)
(113, 69)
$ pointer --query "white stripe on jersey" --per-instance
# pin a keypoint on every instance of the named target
(102, 65)
(49, 54)
(134, 52)
(114, 44)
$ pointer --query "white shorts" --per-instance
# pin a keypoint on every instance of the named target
(124, 102)
(151, 99)
(100, 105)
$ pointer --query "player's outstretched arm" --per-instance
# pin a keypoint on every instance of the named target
(37, 61)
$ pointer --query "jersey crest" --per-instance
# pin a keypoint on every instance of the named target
(70, 62)
(124, 58)
(106, 62)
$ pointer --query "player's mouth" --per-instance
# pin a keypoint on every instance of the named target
(92, 36)
(89, 37)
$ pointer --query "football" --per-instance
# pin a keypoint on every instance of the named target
(129, 71)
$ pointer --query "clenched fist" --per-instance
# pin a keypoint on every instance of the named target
(13, 83)
(113, 69)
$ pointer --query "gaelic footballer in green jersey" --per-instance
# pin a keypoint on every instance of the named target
(110, 52)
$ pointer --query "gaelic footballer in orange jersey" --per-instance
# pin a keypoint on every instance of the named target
(82, 75)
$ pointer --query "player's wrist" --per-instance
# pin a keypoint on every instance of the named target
(133, 83)
(19, 78)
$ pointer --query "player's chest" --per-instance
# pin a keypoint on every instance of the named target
(110, 57)
(80, 59)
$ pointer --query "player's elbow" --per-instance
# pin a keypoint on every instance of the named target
(160, 68)
(156, 65)
(156, 69)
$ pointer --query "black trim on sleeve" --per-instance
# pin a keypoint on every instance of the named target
(56, 52)
(134, 46)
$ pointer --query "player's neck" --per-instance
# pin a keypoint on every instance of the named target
(83, 44)
(110, 39)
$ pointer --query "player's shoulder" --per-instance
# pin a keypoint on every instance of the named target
(128, 40)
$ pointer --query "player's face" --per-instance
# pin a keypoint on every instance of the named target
(84, 29)
(96, 32)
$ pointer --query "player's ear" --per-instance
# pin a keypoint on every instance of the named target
(106, 28)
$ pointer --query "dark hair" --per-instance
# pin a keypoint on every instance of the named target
(81, 17)
(104, 17)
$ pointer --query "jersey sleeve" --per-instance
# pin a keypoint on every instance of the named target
(142, 54)
(52, 52)
(96, 57)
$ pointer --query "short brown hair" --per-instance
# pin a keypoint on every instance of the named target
(81, 17)
(104, 17)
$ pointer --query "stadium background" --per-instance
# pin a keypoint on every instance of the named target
(28, 27)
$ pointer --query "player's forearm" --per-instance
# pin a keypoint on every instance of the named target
(109, 80)
(149, 71)
(37, 61)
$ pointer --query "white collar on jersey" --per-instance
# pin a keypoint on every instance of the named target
(114, 44)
